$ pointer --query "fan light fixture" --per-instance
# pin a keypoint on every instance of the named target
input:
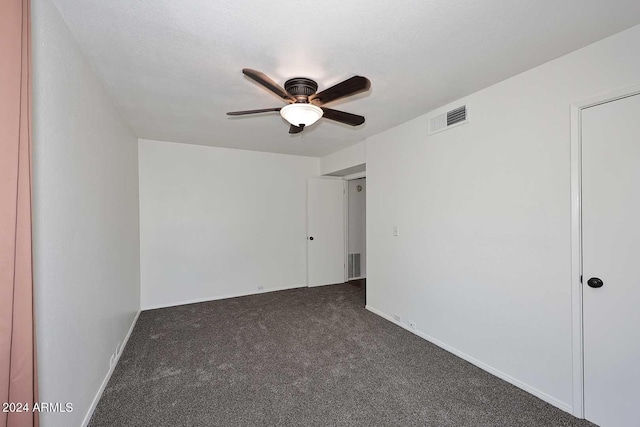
(301, 114)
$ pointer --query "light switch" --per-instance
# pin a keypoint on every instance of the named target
(396, 230)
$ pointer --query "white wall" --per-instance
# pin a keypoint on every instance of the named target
(349, 157)
(482, 263)
(85, 221)
(357, 221)
(218, 222)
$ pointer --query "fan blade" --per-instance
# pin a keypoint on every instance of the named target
(242, 113)
(268, 83)
(342, 117)
(296, 129)
(352, 86)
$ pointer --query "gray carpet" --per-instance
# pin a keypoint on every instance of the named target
(303, 357)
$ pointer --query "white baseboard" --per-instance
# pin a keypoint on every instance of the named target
(107, 377)
(216, 298)
(526, 387)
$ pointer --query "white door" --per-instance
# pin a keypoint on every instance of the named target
(325, 231)
(611, 255)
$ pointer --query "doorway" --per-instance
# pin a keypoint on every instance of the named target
(606, 247)
(336, 230)
(356, 235)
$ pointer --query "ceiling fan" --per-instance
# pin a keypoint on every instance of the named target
(305, 105)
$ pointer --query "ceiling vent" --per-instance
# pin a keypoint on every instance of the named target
(456, 117)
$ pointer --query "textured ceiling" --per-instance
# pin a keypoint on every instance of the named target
(174, 67)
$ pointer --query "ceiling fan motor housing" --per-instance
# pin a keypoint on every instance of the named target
(301, 88)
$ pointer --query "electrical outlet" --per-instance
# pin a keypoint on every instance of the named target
(118, 349)
(260, 288)
(411, 324)
(397, 318)
(396, 230)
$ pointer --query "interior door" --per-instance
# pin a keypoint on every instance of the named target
(325, 231)
(611, 256)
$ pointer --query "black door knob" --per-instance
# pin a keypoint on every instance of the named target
(311, 238)
(594, 282)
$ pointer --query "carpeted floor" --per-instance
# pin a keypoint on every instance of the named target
(303, 357)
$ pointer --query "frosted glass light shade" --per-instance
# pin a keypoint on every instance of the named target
(301, 114)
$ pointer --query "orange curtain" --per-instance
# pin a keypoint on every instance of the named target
(18, 379)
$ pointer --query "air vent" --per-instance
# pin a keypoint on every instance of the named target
(452, 118)
(456, 116)
(354, 266)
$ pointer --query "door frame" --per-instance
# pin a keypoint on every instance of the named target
(577, 338)
(346, 179)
